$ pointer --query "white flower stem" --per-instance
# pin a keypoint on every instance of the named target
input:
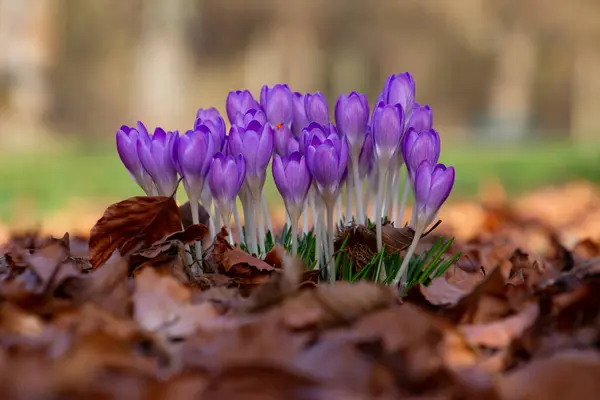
(211, 221)
(338, 208)
(399, 219)
(409, 253)
(380, 194)
(294, 222)
(238, 224)
(261, 226)
(389, 192)
(305, 219)
(196, 220)
(357, 183)
(318, 227)
(249, 222)
(265, 209)
(218, 223)
(330, 247)
(349, 202)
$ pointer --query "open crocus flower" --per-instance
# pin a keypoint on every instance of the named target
(316, 108)
(225, 179)
(127, 147)
(255, 143)
(418, 147)
(193, 154)
(315, 129)
(293, 179)
(432, 186)
(211, 118)
(239, 102)
(156, 156)
(299, 118)
(327, 161)
(399, 89)
(242, 120)
(421, 118)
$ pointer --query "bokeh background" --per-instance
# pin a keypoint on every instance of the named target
(514, 84)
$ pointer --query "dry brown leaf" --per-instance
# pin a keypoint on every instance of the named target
(133, 223)
(186, 215)
(177, 239)
(162, 304)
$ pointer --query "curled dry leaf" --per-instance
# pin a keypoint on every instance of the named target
(186, 215)
(131, 224)
(174, 240)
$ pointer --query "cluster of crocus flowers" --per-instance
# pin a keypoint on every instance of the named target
(314, 161)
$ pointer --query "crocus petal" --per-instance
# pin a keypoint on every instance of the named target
(421, 118)
(279, 177)
(442, 182)
(316, 108)
(299, 120)
(422, 184)
(278, 105)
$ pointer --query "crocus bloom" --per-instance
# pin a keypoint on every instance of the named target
(299, 120)
(255, 143)
(421, 118)
(327, 162)
(399, 89)
(225, 179)
(418, 147)
(432, 186)
(211, 118)
(365, 159)
(127, 147)
(387, 125)
(278, 105)
(193, 154)
(239, 101)
(351, 117)
(316, 108)
(282, 137)
(156, 156)
(242, 120)
(293, 180)
(316, 129)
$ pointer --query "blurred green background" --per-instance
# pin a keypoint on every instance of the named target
(513, 83)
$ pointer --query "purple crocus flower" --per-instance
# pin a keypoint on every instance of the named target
(399, 89)
(351, 117)
(316, 129)
(387, 125)
(127, 147)
(293, 180)
(418, 147)
(299, 120)
(242, 120)
(365, 159)
(316, 108)
(432, 186)
(421, 118)
(239, 102)
(278, 105)
(255, 143)
(193, 153)
(156, 156)
(327, 162)
(211, 118)
(282, 137)
(225, 180)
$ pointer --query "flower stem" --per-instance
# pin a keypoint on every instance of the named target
(400, 217)
(294, 222)
(338, 208)
(378, 209)
(261, 226)
(389, 193)
(249, 222)
(305, 219)
(330, 248)
(357, 183)
(265, 209)
(409, 253)
(196, 220)
(349, 202)
(238, 225)
(211, 221)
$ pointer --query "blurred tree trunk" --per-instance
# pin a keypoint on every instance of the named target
(586, 92)
(511, 88)
(26, 34)
(161, 65)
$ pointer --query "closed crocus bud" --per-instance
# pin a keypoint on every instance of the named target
(327, 162)
(366, 157)
(432, 186)
(418, 147)
(351, 117)
(299, 120)
(400, 89)
(421, 118)
(282, 138)
(193, 154)
(387, 125)
(127, 147)
(211, 118)
(157, 159)
(225, 180)
(255, 143)
(278, 105)
(242, 120)
(316, 108)
(293, 180)
(239, 102)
